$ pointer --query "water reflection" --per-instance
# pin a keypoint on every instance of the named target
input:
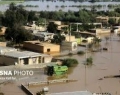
(64, 6)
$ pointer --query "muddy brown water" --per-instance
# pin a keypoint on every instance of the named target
(105, 63)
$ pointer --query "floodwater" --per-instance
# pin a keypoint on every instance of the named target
(64, 6)
(105, 63)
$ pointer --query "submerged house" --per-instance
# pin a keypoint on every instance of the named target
(41, 47)
(10, 56)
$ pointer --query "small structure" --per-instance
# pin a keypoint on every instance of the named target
(115, 29)
(2, 30)
(105, 19)
(23, 58)
(4, 50)
(41, 47)
(70, 38)
(69, 45)
(59, 24)
(99, 31)
(86, 37)
(3, 44)
(44, 36)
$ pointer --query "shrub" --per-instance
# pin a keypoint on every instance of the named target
(80, 52)
(89, 61)
(70, 54)
(69, 62)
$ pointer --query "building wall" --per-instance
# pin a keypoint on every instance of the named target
(42, 49)
(70, 38)
(33, 60)
(47, 59)
(53, 49)
(69, 46)
(33, 47)
(8, 60)
(3, 44)
(2, 30)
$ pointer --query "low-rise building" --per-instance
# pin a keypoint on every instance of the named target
(3, 44)
(105, 19)
(44, 36)
(69, 45)
(2, 30)
(99, 31)
(23, 58)
(3, 49)
(41, 47)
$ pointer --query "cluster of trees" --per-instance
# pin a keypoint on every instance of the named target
(16, 16)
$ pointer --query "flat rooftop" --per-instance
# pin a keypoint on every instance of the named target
(43, 33)
(41, 43)
(23, 54)
(6, 48)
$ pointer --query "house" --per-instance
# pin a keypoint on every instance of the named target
(105, 19)
(70, 38)
(115, 29)
(98, 31)
(2, 30)
(3, 44)
(44, 36)
(23, 58)
(3, 49)
(41, 47)
(102, 19)
(69, 45)
(59, 24)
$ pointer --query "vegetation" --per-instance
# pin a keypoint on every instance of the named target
(89, 61)
(57, 39)
(16, 16)
(69, 62)
(70, 54)
(80, 52)
(17, 34)
(52, 28)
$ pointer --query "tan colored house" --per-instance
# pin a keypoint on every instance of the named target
(3, 44)
(23, 58)
(70, 38)
(2, 30)
(105, 19)
(69, 45)
(99, 31)
(3, 49)
(59, 24)
(42, 47)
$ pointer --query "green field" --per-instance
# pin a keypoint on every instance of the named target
(10, 1)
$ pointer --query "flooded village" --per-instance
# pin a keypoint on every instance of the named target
(59, 53)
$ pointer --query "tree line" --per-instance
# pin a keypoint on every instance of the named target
(16, 16)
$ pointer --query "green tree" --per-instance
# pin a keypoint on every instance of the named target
(89, 61)
(57, 39)
(32, 16)
(15, 14)
(69, 62)
(17, 34)
(112, 21)
(52, 28)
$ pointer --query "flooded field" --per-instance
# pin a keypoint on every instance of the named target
(105, 63)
